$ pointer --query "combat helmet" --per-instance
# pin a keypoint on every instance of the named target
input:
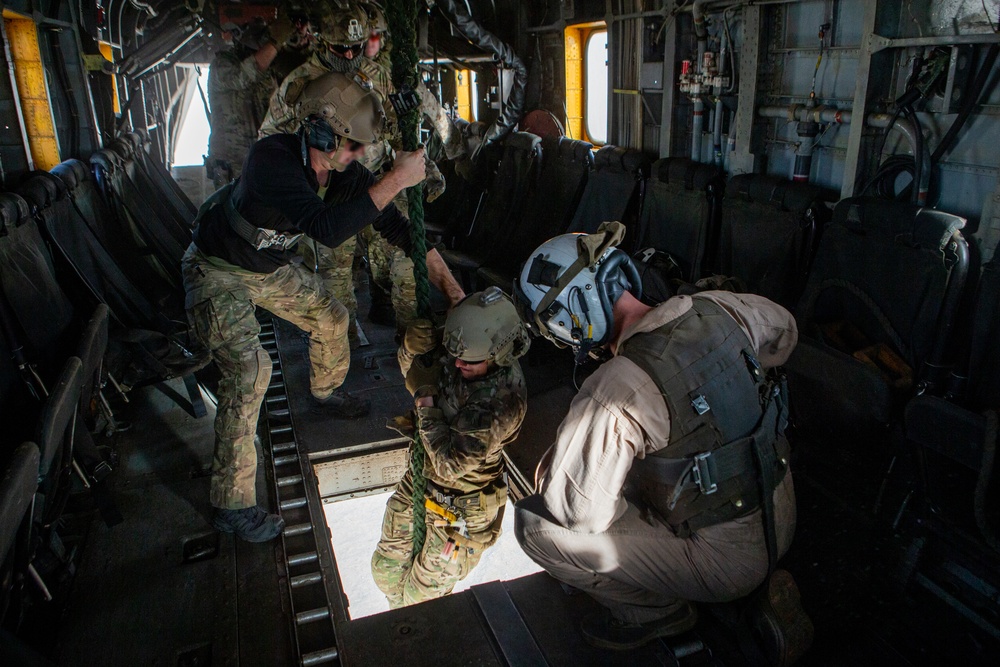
(484, 326)
(377, 23)
(568, 287)
(341, 27)
(343, 105)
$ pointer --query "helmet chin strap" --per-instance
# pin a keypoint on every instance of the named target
(333, 162)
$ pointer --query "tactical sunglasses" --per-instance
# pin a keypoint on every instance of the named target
(343, 49)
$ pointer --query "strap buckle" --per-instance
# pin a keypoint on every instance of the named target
(703, 473)
(268, 238)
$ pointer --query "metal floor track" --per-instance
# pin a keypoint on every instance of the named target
(313, 588)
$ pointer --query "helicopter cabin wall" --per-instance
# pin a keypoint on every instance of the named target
(766, 58)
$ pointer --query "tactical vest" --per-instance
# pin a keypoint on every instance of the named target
(727, 421)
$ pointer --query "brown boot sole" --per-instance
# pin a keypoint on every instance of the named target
(783, 612)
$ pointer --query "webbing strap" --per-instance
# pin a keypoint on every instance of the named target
(590, 248)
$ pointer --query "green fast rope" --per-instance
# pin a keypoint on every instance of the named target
(402, 18)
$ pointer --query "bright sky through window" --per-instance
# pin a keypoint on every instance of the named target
(596, 87)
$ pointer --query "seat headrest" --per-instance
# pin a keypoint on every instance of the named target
(41, 189)
(14, 210)
(684, 172)
(106, 160)
(576, 150)
(636, 162)
(123, 149)
(622, 160)
(523, 141)
(71, 172)
(135, 140)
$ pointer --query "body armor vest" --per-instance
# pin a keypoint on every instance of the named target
(727, 451)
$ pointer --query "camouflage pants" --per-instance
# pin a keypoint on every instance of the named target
(392, 270)
(220, 306)
(433, 573)
(335, 268)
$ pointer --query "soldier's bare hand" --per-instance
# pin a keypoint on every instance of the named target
(410, 167)
(421, 337)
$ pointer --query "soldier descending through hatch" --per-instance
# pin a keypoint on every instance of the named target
(241, 80)
(469, 402)
(669, 482)
(244, 255)
(343, 38)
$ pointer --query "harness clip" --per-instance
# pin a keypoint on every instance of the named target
(702, 473)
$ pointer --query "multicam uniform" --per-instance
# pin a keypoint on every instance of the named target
(335, 265)
(238, 93)
(225, 277)
(464, 436)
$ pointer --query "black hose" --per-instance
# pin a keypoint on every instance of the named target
(971, 102)
(458, 14)
(918, 153)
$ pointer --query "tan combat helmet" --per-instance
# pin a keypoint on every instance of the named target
(484, 326)
(377, 23)
(341, 27)
(346, 104)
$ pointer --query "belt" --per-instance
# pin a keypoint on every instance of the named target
(259, 237)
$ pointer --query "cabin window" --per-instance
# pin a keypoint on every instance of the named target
(596, 87)
(587, 82)
(192, 140)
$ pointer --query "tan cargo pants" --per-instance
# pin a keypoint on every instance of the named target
(220, 304)
(439, 566)
(640, 570)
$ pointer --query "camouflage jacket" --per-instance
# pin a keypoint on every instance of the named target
(238, 94)
(472, 420)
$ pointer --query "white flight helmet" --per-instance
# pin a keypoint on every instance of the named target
(568, 287)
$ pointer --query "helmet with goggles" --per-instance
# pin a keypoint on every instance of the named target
(341, 30)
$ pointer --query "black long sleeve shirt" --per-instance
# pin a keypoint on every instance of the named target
(276, 191)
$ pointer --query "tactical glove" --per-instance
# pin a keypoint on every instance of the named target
(424, 376)
(421, 337)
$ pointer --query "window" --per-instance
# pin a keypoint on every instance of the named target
(587, 82)
(192, 140)
(595, 89)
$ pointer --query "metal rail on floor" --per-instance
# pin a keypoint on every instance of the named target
(309, 572)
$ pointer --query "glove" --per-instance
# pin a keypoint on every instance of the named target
(434, 184)
(282, 31)
(421, 337)
(424, 376)
(405, 425)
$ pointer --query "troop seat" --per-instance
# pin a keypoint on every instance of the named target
(55, 437)
(18, 483)
(160, 176)
(501, 207)
(877, 312)
(613, 190)
(130, 251)
(768, 231)
(566, 165)
(680, 213)
(137, 213)
(41, 314)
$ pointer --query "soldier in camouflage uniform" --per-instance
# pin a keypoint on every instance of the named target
(340, 48)
(241, 81)
(240, 84)
(470, 400)
(244, 255)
